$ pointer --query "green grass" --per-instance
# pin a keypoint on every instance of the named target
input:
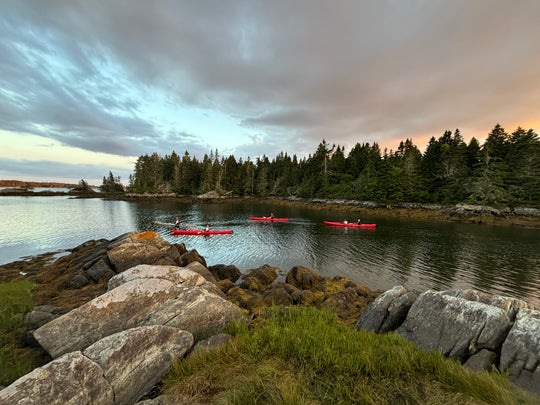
(15, 301)
(306, 356)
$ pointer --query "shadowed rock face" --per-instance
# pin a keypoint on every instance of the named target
(520, 353)
(133, 361)
(117, 369)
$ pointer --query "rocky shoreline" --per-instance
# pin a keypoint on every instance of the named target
(528, 217)
(112, 315)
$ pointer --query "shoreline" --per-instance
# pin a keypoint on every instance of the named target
(527, 217)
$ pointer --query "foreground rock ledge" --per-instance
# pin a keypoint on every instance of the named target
(468, 325)
(115, 348)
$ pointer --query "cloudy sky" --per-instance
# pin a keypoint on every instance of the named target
(87, 86)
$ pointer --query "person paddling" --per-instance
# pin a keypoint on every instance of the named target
(177, 223)
(358, 222)
(271, 215)
(207, 228)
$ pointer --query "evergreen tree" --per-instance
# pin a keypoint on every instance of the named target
(111, 184)
(489, 176)
(523, 159)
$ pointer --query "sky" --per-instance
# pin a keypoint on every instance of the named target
(88, 86)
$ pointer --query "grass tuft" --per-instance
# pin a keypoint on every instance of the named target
(15, 301)
(307, 356)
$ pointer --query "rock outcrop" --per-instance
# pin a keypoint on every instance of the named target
(261, 288)
(481, 330)
(116, 347)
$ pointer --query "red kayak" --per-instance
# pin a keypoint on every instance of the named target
(268, 219)
(196, 232)
(350, 225)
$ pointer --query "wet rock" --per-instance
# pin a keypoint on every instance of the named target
(181, 247)
(286, 294)
(348, 304)
(225, 285)
(248, 300)
(190, 257)
(100, 270)
(260, 278)
(223, 272)
(79, 280)
(303, 278)
(39, 316)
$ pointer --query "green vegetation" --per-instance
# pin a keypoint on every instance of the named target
(83, 187)
(505, 170)
(306, 356)
(15, 301)
(111, 184)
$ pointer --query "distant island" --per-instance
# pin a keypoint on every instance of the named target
(34, 184)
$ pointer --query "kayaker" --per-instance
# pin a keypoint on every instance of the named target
(271, 215)
(358, 222)
(207, 228)
(177, 223)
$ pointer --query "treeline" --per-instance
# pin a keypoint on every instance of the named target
(505, 169)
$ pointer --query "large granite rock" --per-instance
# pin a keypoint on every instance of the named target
(520, 353)
(133, 361)
(455, 326)
(388, 311)
(143, 248)
(117, 369)
(70, 379)
(124, 307)
(196, 310)
(174, 274)
(141, 296)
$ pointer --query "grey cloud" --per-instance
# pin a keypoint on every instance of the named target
(296, 72)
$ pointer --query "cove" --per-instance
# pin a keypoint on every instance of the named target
(418, 254)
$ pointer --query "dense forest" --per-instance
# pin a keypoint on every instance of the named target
(505, 169)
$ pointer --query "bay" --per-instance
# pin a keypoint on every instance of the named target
(418, 254)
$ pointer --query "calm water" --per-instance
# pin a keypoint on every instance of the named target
(417, 254)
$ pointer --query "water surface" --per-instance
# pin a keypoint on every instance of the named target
(415, 253)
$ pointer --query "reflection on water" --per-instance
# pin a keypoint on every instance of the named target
(417, 254)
